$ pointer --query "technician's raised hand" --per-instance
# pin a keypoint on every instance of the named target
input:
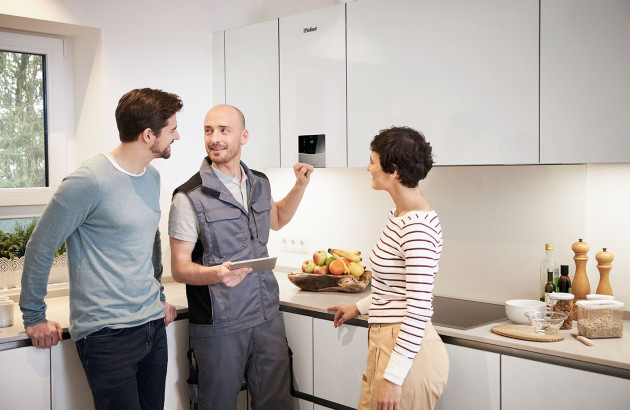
(232, 277)
(44, 335)
(303, 173)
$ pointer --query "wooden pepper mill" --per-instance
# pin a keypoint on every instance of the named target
(580, 285)
(604, 259)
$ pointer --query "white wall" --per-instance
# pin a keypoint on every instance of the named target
(496, 220)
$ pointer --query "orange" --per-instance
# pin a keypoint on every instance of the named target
(336, 267)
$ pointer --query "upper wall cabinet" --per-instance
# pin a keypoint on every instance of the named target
(584, 81)
(313, 87)
(464, 73)
(252, 85)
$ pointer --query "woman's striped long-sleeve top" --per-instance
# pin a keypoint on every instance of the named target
(404, 262)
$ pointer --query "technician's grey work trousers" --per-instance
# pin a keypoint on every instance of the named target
(258, 354)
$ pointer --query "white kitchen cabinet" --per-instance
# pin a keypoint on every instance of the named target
(252, 86)
(528, 384)
(299, 331)
(218, 67)
(25, 378)
(300, 404)
(313, 82)
(242, 403)
(463, 73)
(474, 378)
(584, 81)
(339, 359)
(70, 388)
(177, 396)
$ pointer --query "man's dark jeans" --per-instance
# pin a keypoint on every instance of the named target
(126, 368)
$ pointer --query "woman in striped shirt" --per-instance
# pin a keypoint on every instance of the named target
(407, 366)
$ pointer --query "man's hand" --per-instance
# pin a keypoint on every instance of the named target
(44, 335)
(389, 396)
(171, 313)
(232, 277)
(302, 173)
(344, 312)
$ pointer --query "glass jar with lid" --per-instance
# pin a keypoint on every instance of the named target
(562, 302)
(600, 318)
(597, 296)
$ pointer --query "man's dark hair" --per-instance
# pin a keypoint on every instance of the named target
(144, 108)
(405, 150)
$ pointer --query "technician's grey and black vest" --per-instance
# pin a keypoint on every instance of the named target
(229, 233)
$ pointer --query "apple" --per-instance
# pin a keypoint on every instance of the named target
(321, 270)
(319, 257)
(356, 269)
(308, 266)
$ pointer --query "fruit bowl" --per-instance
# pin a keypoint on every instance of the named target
(337, 283)
(546, 322)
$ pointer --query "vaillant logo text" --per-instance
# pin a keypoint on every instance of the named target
(309, 29)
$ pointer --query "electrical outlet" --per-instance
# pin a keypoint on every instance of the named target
(301, 244)
(294, 243)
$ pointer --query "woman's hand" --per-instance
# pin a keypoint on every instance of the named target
(344, 312)
(388, 396)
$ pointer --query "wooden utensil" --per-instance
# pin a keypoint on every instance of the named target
(604, 265)
(526, 333)
(583, 339)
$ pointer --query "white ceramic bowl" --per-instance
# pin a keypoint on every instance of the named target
(516, 309)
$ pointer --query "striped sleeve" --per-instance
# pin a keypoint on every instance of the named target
(420, 244)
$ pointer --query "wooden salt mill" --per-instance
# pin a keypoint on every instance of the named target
(604, 265)
(580, 285)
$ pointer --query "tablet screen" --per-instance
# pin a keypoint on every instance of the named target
(258, 265)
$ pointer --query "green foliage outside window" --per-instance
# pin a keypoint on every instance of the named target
(13, 244)
(22, 133)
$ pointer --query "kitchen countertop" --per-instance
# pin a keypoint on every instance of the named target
(607, 356)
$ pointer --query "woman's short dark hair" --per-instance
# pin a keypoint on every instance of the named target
(144, 108)
(405, 150)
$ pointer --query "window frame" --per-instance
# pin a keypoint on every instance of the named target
(58, 109)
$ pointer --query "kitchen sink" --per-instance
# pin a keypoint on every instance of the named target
(465, 314)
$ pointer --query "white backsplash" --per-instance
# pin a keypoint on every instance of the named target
(496, 221)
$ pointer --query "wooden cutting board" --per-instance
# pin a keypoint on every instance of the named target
(526, 333)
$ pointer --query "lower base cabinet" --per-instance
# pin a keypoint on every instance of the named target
(528, 384)
(339, 359)
(474, 379)
(70, 389)
(25, 375)
(176, 393)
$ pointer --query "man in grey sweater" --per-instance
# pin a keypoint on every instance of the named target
(107, 212)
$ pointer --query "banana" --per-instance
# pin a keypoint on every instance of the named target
(354, 256)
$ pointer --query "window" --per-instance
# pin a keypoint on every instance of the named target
(34, 116)
(23, 162)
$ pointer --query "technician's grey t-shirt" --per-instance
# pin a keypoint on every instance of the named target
(183, 223)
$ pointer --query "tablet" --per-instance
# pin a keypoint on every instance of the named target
(258, 265)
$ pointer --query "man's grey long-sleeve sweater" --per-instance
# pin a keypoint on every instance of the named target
(109, 221)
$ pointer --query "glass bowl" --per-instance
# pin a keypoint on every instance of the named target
(546, 322)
